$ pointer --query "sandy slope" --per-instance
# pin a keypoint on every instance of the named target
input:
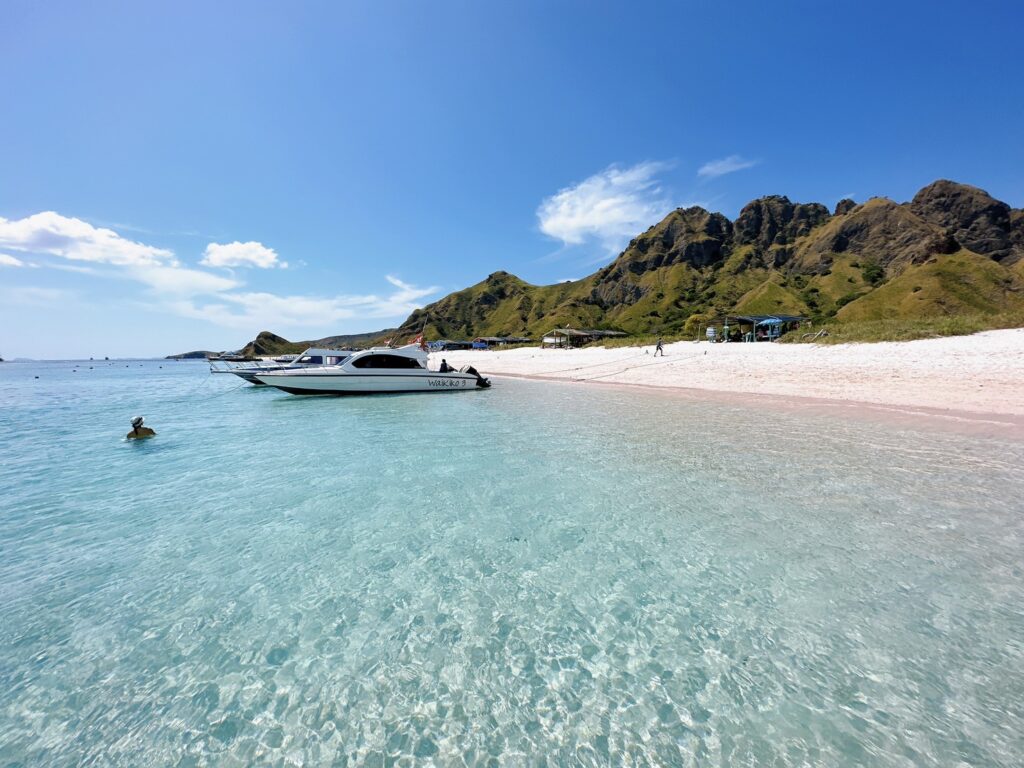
(983, 373)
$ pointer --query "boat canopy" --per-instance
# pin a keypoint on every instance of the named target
(764, 320)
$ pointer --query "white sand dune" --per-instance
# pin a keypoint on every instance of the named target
(982, 373)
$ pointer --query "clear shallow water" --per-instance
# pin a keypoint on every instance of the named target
(534, 574)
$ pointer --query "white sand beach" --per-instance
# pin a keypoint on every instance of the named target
(979, 374)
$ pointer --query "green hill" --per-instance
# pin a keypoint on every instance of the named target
(952, 249)
(267, 344)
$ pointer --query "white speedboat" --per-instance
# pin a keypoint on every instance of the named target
(375, 371)
(311, 358)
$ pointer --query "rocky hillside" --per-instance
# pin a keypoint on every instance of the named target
(952, 249)
(268, 344)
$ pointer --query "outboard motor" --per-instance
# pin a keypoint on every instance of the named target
(480, 380)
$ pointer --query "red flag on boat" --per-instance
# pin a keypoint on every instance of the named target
(419, 340)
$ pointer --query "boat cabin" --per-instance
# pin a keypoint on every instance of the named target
(315, 356)
(380, 359)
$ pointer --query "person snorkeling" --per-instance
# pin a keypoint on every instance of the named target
(139, 431)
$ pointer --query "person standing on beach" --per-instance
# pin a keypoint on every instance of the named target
(659, 348)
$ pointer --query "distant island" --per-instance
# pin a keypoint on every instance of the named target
(951, 260)
(197, 355)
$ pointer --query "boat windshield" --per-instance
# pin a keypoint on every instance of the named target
(386, 361)
(311, 360)
(335, 359)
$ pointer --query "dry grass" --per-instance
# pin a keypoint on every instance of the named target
(906, 329)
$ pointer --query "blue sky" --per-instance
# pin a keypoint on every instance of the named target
(161, 163)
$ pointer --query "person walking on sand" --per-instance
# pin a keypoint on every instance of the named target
(659, 348)
(139, 431)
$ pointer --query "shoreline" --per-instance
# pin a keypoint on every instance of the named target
(975, 423)
(969, 384)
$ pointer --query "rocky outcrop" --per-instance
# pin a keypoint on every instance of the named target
(267, 343)
(774, 220)
(976, 220)
(778, 254)
(687, 235)
(880, 231)
(1017, 233)
(500, 295)
(950, 247)
(844, 206)
(616, 289)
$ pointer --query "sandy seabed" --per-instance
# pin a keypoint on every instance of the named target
(973, 380)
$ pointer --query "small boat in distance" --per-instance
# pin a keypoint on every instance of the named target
(311, 358)
(378, 370)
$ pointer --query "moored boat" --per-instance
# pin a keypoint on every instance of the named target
(378, 370)
(311, 358)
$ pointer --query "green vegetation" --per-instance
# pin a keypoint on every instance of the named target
(876, 261)
(268, 344)
(873, 272)
(907, 329)
(947, 285)
(947, 260)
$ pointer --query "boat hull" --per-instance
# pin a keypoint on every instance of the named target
(250, 375)
(370, 383)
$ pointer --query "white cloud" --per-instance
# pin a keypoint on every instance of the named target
(406, 298)
(181, 281)
(188, 291)
(610, 207)
(74, 239)
(726, 165)
(252, 311)
(236, 254)
(73, 268)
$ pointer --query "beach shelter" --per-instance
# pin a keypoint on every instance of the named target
(763, 327)
(572, 337)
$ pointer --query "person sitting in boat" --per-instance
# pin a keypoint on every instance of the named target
(139, 431)
(445, 368)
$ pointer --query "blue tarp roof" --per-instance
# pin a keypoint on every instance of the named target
(765, 319)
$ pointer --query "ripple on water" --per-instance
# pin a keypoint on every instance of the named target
(536, 572)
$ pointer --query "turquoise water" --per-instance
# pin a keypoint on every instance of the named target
(534, 574)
